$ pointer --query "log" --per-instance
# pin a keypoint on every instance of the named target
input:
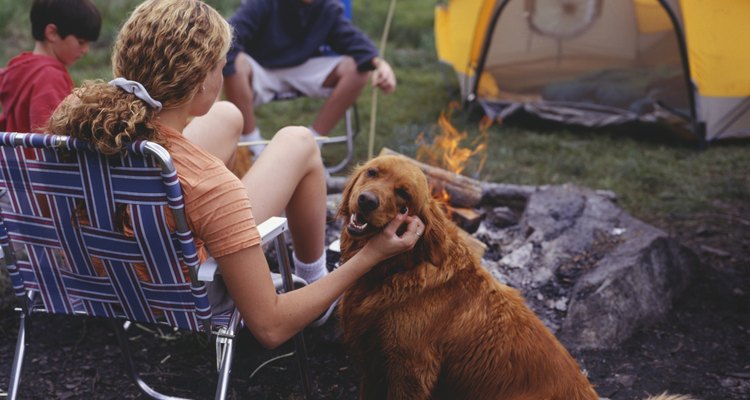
(462, 191)
(467, 219)
(476, 246)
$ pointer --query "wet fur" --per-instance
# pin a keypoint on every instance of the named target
(432, 323)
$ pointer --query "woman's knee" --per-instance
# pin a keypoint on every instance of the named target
(223, 121)
(229, 116)
(299, 138)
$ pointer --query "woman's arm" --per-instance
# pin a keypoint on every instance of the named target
(274, 318)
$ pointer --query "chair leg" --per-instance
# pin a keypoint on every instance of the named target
(351, 120)
(225, 355)
(225, 369)
(15, 373)
(130, 363)
(300, 349)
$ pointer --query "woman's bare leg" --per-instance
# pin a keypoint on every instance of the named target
(289, 176)
(218, 131)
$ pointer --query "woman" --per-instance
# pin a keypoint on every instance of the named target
(167, 61)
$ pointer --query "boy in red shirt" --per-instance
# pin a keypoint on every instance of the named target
(35, 82)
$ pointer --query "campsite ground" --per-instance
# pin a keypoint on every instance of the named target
(702, 198)
(700, 348)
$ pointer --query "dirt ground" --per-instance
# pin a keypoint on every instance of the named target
(700, 348)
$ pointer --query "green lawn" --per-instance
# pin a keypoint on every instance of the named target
(652, 179)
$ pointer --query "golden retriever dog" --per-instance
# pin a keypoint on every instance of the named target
(432, 323)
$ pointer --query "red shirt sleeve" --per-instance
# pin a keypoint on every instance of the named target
(50, 88)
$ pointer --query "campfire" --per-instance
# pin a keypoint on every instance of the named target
(443, 160)
(571, 251)
(446, 150)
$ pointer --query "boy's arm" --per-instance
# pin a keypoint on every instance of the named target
(346, 39)
(383, 77)
(48, 92)
(245, 23)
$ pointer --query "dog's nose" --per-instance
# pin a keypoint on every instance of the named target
(367, 201)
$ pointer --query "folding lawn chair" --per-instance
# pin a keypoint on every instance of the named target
(351, 119)
(60, 265)
(345, 138)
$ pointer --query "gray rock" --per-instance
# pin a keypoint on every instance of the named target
(629, 288)
(592, 272)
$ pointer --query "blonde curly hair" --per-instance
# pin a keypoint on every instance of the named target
(169, 46)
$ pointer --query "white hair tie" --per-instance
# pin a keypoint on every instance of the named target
(137, 89)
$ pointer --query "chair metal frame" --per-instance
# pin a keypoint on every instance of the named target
(48, 180)
(351, 129)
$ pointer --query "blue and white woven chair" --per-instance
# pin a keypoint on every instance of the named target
(56, 263)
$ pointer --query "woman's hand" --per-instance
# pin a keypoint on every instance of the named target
(389, 243)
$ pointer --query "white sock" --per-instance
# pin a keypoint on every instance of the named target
(310, 272)
(316, 135)
(252, 137)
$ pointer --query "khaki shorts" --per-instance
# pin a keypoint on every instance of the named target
(301, 80)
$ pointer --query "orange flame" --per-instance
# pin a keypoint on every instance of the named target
(447, 150)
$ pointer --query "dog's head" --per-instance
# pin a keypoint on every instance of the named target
(380, 189)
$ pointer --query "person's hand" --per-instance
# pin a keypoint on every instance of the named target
(389, 242)
(383, 76)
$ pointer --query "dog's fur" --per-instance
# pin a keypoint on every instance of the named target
(432, 322)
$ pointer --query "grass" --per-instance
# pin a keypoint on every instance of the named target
(652, 179)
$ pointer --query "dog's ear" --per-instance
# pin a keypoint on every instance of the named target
(343, 211)
(437, 228)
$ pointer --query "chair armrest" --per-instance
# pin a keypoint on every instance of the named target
(269, 230)
(208, 270)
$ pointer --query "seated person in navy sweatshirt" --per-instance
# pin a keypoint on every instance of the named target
(277, 48)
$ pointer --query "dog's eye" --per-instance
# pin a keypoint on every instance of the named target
(404, 209)
(372, 172)
(402, 193)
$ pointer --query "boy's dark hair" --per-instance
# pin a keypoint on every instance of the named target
(80, 18)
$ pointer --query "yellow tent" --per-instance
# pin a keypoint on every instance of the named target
(676, 63)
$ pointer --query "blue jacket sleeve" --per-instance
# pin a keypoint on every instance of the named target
(245, 23)
(345, 38)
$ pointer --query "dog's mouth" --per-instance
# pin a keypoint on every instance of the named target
(358, 225)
